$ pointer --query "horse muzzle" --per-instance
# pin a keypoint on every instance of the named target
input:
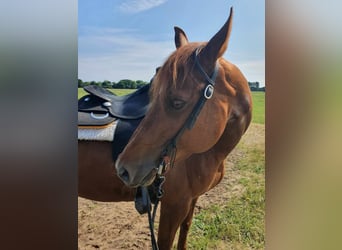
(134, 176)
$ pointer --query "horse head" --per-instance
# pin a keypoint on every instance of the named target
(194, 72)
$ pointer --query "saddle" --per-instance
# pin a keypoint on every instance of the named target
(101, 107)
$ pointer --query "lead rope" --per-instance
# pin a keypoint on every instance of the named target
(150, 217)
(160, 179)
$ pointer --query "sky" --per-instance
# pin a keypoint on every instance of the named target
(128, 39)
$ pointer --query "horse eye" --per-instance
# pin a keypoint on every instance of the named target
(178, 104)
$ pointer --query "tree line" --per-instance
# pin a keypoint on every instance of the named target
(122, 84)
(130, 84)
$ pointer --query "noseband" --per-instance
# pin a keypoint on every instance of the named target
(169, 154)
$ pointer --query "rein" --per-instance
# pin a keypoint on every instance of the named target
(169, 153)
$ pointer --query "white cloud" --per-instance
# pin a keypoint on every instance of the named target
(118, 55)
(253, 70)
(115, 54)
(135, 6)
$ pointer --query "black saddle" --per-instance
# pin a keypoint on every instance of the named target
(101, 106)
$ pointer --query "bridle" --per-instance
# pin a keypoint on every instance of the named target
(168, 155)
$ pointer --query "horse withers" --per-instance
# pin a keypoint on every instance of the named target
(200, 106)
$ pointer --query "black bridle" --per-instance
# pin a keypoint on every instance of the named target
(169, 153)
(208, 91)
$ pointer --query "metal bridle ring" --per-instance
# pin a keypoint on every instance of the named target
(208, 91)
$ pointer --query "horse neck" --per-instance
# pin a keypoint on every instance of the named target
(239, 114)
(228, 140)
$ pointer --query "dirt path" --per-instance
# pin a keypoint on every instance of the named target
(106, 226)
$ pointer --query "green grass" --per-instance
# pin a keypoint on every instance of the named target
(239, 223)
(258, 107)
(81, 92)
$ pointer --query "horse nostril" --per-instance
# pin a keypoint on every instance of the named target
(123, 174)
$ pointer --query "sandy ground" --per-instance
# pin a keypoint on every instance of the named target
(118, 225)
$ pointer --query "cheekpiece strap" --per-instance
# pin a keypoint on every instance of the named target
(210, 80)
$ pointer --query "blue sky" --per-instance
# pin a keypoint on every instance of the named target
(128, 39)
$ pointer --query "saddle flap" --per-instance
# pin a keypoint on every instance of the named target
(99, 92)
(131, 106)
(101, 106)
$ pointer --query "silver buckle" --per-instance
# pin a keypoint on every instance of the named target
(208, 91)
(107, 104)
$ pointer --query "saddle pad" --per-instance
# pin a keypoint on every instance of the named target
(119, 132)
(101, 133)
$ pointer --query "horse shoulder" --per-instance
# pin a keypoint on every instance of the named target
(203, 172)
(241, 99)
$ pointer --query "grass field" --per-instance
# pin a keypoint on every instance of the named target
(239, 222)
(258, 107)
(258, 102)
(81, 92)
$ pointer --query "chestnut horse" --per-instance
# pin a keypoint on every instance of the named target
(201, 142)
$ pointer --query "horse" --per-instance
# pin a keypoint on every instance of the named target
(195, 160)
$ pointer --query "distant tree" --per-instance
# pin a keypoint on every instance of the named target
(96, 83)
(127, 84)
(80, 83)
(107, 84)
(133, 85)
(140, 83)
(119, 85)
(122, 84)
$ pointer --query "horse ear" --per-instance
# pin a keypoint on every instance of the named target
(180, 37)
(217, 45)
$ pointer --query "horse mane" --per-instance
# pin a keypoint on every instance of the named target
(176, 69)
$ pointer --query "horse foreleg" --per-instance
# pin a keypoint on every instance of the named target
(185, 226)
(171, 216)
